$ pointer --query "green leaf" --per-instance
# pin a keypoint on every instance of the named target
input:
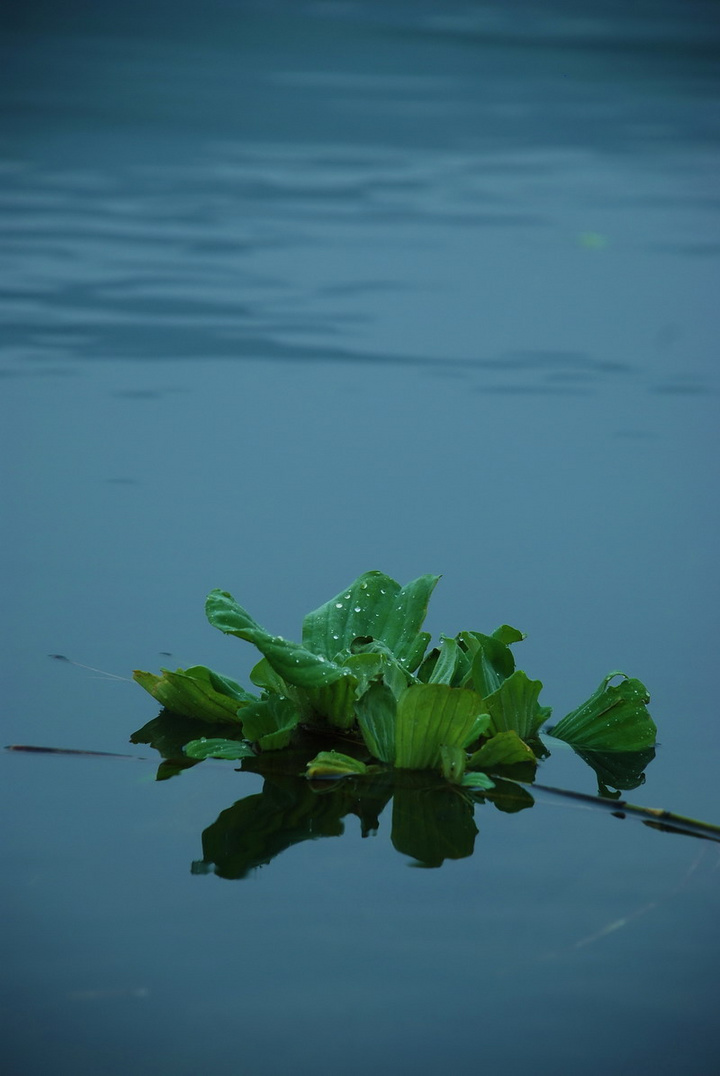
(264, 676)
(479, 781)
(431, 716)
(331, 764)
(443, 665)
(374, 661)
(335, 702)
(452, 763)
(450, 663)
(270, 722)
(294, 663)
(509, 635)
(492, 664)
(503, 749)
(197, 692)
(376, 607)
(615, 718)
(514, 706)
(376, 712)
(396, 678)
(329, 689)
(228, 749)
(223, 684)
(366, 666)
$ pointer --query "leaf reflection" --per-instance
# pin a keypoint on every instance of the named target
(431, 819)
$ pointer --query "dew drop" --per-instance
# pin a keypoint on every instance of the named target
(357, 609)
(338, 605)
(320, 657)
(336, 636)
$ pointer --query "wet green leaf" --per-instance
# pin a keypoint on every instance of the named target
(337, 702)
(492, 664)
(264, 676)
(329, 689)
(478, 781)
(614, 718)
(376, 712)
(270, 722)
(502, 749)
(452, 763)
(374, 606)
(334, 702)
(294, 663)
(431, 716)
(216, 748)
(366, 662)
(197, 692)
(444, 665)
(514, 706)
(333, 764)
(508, 635)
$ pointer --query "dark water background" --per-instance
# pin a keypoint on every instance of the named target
(295, 290)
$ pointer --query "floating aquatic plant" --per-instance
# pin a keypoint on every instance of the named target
(364, 713)
(363, 677)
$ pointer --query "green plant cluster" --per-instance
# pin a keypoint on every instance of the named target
(363, 674)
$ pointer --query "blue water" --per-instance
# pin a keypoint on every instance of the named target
(292, 291)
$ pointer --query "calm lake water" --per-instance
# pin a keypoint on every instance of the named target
(295, 290)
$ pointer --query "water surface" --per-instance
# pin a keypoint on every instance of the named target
(294, 291)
